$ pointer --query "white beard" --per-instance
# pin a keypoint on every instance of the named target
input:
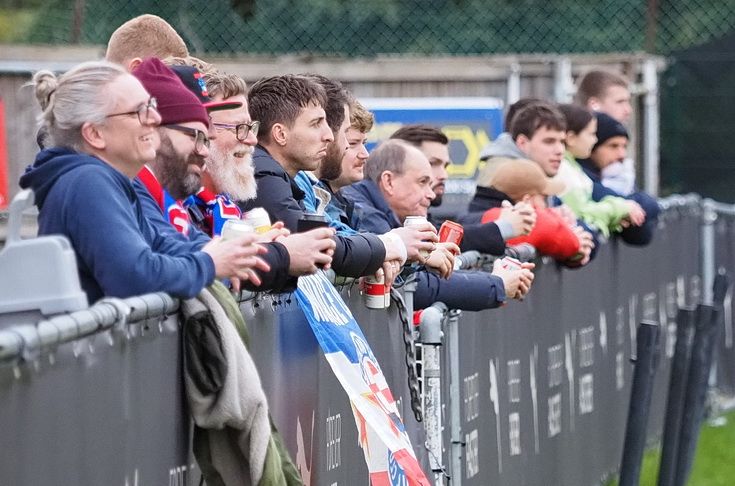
(232, 175)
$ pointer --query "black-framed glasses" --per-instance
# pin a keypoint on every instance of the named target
(241, 130)
(143, 111)
(200, 138)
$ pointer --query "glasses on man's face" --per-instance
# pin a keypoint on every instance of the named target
(241, 130)
(144, 111)
(200, 138)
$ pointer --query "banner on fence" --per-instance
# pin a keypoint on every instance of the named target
(382, 435)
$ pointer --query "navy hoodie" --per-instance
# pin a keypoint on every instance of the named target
(119, 252)
(632, 235)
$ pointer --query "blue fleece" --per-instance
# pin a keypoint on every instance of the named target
(119, 252)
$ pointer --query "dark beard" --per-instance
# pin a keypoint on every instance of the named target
(173, 172)
(330, 167)
(437, 201)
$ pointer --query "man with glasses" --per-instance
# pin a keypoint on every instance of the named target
(229, 178)
(176, 172)
(229, 175)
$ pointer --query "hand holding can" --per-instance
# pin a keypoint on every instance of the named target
(451, 232)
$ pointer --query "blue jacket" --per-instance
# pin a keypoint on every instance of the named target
(119, 252)
(465, 290)
(633, 235)
(307, 183)
(276, 280)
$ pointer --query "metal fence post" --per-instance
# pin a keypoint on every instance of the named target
(693, 408)
(709, 216)
(685, 321)
(455, 422)
(563, 81)
(430, 332)
(514, 84)
(651, 127)
(703, 357)
(648, 338)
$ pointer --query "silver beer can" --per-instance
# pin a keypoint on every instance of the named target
(413, 221)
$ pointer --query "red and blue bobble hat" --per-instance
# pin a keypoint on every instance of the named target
(192, 79)
(176, 104)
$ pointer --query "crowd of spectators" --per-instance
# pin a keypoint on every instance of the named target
(147, 154)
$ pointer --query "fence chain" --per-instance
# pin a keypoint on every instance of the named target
(409, 342)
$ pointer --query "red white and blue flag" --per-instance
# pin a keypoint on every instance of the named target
(388, 452)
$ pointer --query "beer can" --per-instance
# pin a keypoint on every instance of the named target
(510, 263)
(258, 217)
(234, 228)
(451, 232)
(377, 294)
(413, 221)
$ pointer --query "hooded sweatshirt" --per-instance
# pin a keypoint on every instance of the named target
(119, 252)
(496, 153)
(604, 214)
(503, 146)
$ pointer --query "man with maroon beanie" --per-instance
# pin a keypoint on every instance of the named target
(176, 173)
(177, 170)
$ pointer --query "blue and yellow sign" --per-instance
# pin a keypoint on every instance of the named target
(470, 123)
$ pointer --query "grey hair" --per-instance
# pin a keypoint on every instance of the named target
(389, 155)
(73, 99)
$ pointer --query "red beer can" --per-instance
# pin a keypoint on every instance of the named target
(451, 232)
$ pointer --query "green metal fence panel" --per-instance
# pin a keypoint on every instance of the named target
(366, 28)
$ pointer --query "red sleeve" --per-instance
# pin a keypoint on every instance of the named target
(490, 215)
(551, 236)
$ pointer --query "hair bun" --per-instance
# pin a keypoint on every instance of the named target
(45, 83)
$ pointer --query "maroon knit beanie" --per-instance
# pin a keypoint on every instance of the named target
(176, 103)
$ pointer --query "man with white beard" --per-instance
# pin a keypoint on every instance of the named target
(228, 178)
(229, 174)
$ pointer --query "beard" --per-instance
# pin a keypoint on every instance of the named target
(437, 201)
(172, 170)
(233, 175)
(330, 167)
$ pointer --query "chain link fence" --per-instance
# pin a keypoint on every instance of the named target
(366, 28)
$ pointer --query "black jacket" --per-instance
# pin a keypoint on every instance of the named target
(281, 197)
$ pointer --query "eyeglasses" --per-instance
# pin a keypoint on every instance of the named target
(143, 111)
(241, 130)
(200, 138)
